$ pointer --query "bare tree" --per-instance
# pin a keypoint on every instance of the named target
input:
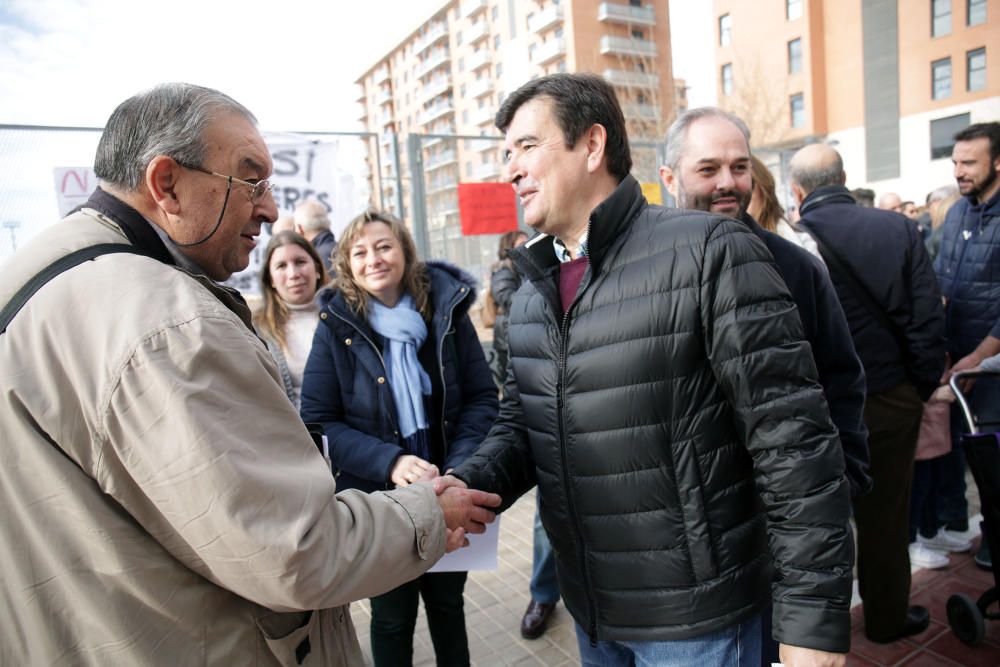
(760, 100)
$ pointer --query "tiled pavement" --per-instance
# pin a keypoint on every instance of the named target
(494, 602)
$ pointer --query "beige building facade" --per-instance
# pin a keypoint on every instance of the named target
(888, 82)
(449, 76)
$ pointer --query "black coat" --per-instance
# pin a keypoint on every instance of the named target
(674, 426)
(886, 254)
(503, 284)
(344, 385)
(840, 371)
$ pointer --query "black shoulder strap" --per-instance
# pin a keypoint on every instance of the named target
(837, 265)
(54, 269)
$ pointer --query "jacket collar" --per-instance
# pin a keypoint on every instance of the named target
(991, 206)
(136, 228)
(826, 194)
(754, 226)
(608, 221)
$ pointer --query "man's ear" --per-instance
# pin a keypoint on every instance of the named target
(669, 180)
(798, 192)
(161, 182)
(597, 141)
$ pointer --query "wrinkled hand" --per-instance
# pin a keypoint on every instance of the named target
(447, 481)
(942, 394)
(466, 508)
(796, 656)
(409, 469)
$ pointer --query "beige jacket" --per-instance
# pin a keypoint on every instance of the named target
(191, 520)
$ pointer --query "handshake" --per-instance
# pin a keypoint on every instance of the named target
(466, 511)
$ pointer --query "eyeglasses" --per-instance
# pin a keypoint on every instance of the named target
(257, 189)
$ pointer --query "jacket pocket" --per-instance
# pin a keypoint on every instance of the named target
(288, 635)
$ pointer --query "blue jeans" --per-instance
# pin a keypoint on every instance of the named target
(735, 646)
(544, 584)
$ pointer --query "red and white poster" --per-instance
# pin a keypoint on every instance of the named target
(486, 208)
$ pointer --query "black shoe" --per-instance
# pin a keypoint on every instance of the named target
(536, 617)
(918, 619)
(983, 558)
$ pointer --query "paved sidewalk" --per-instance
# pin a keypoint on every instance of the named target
(494, 602)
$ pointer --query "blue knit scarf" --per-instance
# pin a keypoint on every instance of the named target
(405, 332)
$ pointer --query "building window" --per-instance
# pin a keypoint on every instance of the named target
(461, 65)
(943, 131)
(797, 107)
(940, 17)
(725, 27)
(795, 56)
(637, 34)
(975, 12)
(498, 69)
(793, 9)
(941, 79)
(496, 42)
(495, 13)
(727, 79)
(458, 38)
(562, 66)
(975, 62)
(635, 3)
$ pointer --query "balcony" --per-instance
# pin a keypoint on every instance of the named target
(615, 13)
(362, 113)
(470, 8)
(386, 139)
(439, 185)
(480, 87)
(430, 115)
(384, 96)
(628, 46)
(549, 17)
(384, 119)
(477, 33)
(478, 60)
(635, 111)
(486, 171)
(435, 34)
(484, 116)
(433, 61)
(550, 51)
(626, 79)
(483, 145)
(360, 95)
(442, 159)
(381, 74)
(437, 86)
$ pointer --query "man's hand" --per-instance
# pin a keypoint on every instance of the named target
(409, 469)
(455, 539)
(467, 508)
(447, 481)
(796, 656)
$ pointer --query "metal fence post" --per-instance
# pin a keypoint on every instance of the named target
(418, 208)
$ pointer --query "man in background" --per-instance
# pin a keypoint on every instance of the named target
(313, 222)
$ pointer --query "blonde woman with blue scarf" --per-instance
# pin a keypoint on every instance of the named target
(398, 380)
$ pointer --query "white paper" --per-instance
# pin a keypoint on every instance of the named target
(481, 554)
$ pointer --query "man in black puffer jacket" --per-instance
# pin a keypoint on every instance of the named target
(661, 396)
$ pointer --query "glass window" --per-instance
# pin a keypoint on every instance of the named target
(496, 42)
(943, 131)
(975, 62)
(458, 38)
(635, 3)
(975, 12)
(499, 68)
(725, 26)
(637, 34)
(797, 107)
(562, 66)
(795, 56)
(727, 79)
(495, 12)
(793, 9)
(940, 17)
(941, 79)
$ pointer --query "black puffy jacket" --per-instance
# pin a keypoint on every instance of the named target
(674, 426)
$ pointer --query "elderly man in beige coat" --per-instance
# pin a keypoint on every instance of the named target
(161, 501)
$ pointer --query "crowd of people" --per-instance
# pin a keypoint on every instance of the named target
(704, 397)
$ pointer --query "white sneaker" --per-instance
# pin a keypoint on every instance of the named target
(945, 541)
(923, 557)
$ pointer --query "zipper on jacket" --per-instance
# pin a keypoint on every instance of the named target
(571, 505)
(395, 423)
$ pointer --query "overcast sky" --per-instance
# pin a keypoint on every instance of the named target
(293, 63)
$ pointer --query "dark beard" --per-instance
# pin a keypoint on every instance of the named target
(979, 188)
(704, 202)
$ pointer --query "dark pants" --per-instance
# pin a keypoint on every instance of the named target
(394, 615)
(883, 515)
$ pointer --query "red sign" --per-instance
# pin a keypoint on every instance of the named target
(486, 208)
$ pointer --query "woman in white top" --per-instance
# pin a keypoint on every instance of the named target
(292, 273)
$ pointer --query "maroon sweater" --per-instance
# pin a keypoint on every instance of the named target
(570, 276)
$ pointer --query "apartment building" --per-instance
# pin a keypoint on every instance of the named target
(888, 82)
(449, 76)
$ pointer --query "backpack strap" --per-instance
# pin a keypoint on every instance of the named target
(21, 297)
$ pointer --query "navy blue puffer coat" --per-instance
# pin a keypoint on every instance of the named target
(345, 386)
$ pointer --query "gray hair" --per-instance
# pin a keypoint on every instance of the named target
(311, 216)
(942, 193)
(166, 120)
(812, 176)
(677, 134)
